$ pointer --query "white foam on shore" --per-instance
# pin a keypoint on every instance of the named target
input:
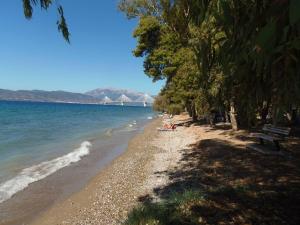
(40, 171)
(108, 132)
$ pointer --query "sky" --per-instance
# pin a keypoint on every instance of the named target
(34, 55)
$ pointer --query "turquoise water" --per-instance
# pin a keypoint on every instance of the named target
(37, 139)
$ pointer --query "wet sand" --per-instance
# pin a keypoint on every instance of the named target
(109, 197)
(157, 163)
(122, 184)
(39, 196)
(113, 192)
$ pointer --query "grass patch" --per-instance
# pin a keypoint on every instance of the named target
(222, 205)
(177, 209)
(237, 188)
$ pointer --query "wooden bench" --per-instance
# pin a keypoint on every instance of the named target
(272, 134)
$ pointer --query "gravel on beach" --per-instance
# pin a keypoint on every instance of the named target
(109, 197)
(143, 172)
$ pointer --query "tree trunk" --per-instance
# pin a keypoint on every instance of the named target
(275, 115)
(212, 116)
(264, 113)
(294, 116)
(189, 110)
(194, 114)
(233, 118)
(227, 117)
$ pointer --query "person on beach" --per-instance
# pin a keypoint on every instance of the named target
(170, 126)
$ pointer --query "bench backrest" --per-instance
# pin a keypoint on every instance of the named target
(277, 130)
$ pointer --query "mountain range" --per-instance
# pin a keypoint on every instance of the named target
(120, 95)
(97, 96)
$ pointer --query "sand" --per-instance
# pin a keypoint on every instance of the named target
(127, 180)
(143, 172)
(118, 188)
(113, 192)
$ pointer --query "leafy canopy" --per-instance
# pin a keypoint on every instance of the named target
(219, 53)
(45, 4)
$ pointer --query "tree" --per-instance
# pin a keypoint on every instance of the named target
(246, 53)
(45, 4)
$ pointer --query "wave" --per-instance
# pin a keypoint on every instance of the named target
(40, 171)
(131, 126)
(108, 132)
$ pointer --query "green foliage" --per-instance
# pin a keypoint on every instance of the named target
(160, 103)
(294, 11)
(218, 53)
(140, 8)
(175, 109)
(147, 33)
(62, 25)
(178, 209)
(266, 35)
(45, 4)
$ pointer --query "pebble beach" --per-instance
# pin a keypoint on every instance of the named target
(159, 161)
(109, 196)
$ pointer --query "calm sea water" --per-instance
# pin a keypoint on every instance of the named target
(37, 139)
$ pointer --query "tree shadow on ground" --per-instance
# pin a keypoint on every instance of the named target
(237, 187)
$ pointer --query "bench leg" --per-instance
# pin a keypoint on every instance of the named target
(261, 141)
(277, 145)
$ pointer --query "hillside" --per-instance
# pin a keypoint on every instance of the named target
(46, 96)
(115, 95)
(97, 96)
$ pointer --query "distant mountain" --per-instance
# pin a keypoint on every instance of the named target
(119, 94)
(98, 96)
(123, 98)
(47, 96)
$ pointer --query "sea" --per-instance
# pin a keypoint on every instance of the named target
(38, 140)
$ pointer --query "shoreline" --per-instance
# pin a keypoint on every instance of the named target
(127, 181)
(211, 161)
(76, 209)
(195, 159)
(135, 104)
(28, 204)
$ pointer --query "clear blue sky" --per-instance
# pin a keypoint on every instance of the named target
(33, 55)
